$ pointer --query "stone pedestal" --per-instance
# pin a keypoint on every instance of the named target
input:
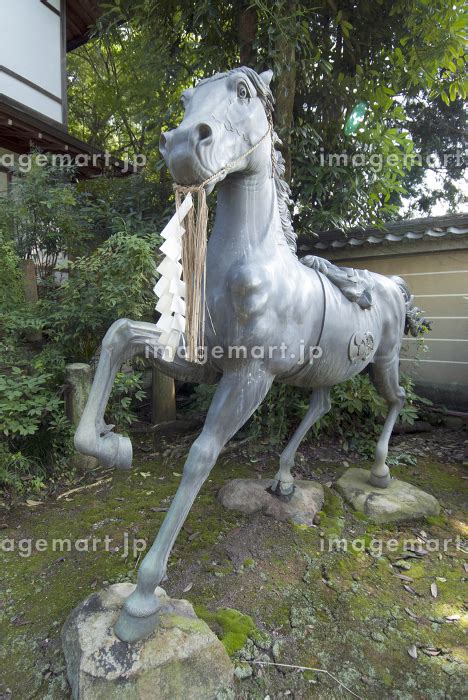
(182, 660)
(251, 496)
(399, 501)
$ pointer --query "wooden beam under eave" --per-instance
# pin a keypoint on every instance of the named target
(90, 12)
(74, 29)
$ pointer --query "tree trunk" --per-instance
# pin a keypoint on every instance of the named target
(286, 86)
(30, 293)
(247, 34)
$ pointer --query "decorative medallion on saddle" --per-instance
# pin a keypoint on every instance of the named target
(355, 285)
(361, 346)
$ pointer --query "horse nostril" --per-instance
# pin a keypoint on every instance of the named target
(205, 133)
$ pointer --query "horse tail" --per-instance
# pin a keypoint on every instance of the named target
(415, 323)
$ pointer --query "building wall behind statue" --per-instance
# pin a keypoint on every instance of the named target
(439, 282)
(31, 50)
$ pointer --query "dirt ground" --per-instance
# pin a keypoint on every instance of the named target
(375, 618)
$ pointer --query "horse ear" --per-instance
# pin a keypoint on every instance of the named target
(266, 76)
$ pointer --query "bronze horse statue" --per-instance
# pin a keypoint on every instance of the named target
(258, 296)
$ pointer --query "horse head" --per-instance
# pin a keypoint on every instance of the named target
(226, 128)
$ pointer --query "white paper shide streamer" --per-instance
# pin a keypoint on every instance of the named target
(170, 289)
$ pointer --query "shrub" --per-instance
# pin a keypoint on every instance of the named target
(42, 216)
(11, 281)
(126, 391)
(112, 281)
(355, 417)
(36, 434)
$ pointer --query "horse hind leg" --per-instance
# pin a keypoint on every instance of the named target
(385, 376)
(283, 483)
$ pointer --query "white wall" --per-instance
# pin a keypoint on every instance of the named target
(30, 46)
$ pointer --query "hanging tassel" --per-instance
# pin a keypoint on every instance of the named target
(194, 244)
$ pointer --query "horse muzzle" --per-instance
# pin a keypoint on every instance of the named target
(187, 151)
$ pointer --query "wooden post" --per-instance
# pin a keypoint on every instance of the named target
(30, 293)
(163, 407)
(79, 378)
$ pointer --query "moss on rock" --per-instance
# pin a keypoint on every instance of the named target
(231, 626)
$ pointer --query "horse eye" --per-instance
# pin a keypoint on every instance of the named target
(242, 91)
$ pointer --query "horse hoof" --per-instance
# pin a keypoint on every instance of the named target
(133, 629)
(116, 452)
(283, 490)
(380, 481)
(124, 453)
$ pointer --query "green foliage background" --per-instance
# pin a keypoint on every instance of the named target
(106, 281)
(404, 59)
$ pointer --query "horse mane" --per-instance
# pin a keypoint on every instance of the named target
(283, 191)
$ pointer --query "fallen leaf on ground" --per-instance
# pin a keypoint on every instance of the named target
(188, 588)
(413, 652)
(434, 590)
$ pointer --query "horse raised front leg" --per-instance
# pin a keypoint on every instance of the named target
(385, 376)
(283, 483)
(123, 340)
(239, 393)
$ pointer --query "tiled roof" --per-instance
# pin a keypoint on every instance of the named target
(449, 226)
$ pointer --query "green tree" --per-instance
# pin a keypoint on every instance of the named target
(327, 57)
(41, 215)
(47, 214)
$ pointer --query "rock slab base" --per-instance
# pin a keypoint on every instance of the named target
(182, 660)
(399, 501)
(251, 496)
